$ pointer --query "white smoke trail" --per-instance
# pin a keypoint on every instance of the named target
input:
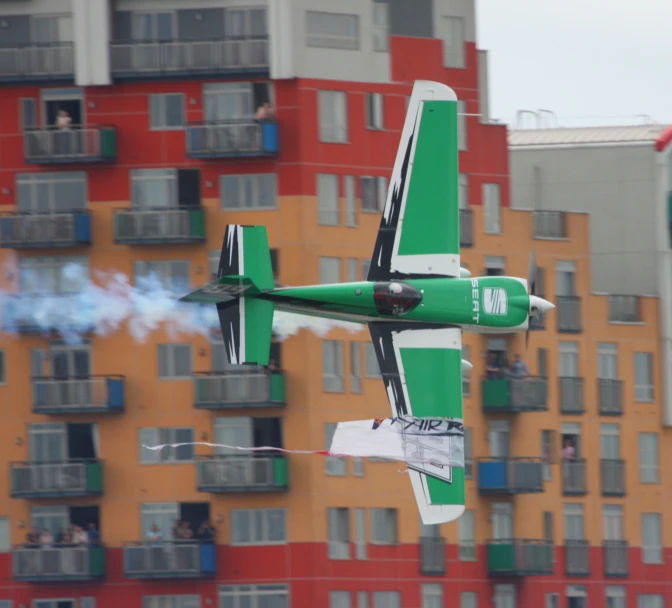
(106, 306)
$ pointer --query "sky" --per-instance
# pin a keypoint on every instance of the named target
(591, 62)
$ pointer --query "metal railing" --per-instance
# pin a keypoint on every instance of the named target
(159, 558)
(226, 389)
(520, 556)
(158, 224)
(189, 55)
(514, 394)
(514, 475)
(550, 225)
(226, 138)
(37, 60)
(77, 143)
(224, 471)
(569, 313)
(35, 229)
(571, 395)
(56, 561)
(616, 561)
(574, 477)
(610, 396)
(68, 477)
(432, 555)
(466, 228)
(577, 558)
(613, 477)
(62, 394)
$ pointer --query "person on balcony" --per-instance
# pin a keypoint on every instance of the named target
(94, 534)
(493, 370)
(33, 537)
(154, 535)
(519, 369)
(46, 539)
(80, 537)
(265, 112)
(568, 451)
(206, 532)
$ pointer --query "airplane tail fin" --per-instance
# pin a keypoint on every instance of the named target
(244, 271)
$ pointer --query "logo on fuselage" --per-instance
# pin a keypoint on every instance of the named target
(495, 301)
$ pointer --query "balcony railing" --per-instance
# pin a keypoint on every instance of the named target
(159, 559)
(571, 395)
(577, 558)
(616, 563)
(50, 145)
(57, 479)
(158, 226)
(232, 139)
(568, 310)
(519, 557)
(67, 313)
(574, 477)
(58, 563)
(510, 475)
(224, 473)
(432, 555)
(40, 230)
(89, 395)
(142, 59)
(550, 225)
(613, 477)
(611, 397)
(37, 63)
(466, 228)
(222, 390)
(515, 395)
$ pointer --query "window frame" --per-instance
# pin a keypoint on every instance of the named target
(644, 393)
(328, 199)
(375, 526)
(266, 515)
(329, 131)
(171, 357)
(164, 436)
(161, 107)
(374, 111)
(321, 40)
(339, 373)
(254, 180)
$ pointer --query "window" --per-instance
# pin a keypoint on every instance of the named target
(644, 377)
(166, 111)
(339, 532)
(549, 536)
(466, 536)
(161, 514)
(463, 191)
(574, 522)
(327, 199)
(468, 599)
(494, 266)
(612, 522)
(461, 125)
(333, 116)
(384, 526)
(652, 551)
(505, 596)
(51, 192)
(607, 355)
(355, 368)
(650, 601)
(366, 264)
(253, 596)
(360, 533)
(491, 201)
(332, 30)
(171, 601)
(53, 604)
(610, 442)
(615, 597)
(565, 278)
(552, 600)
(381, 40)
(386, 599)
(155, 436)
(374, 193)
(332, 366)
(330, 270)
(258, 526)
(432, 596)
(372, 366)
(569, 359)
(452, 34)
(466, 374)
(334, 466)
(362, 599)
(648, 458)
(468, 456)
(54, 275)
(340, 599)
(171, 275)
(374, 111)
(249, 191)
(154, 188)
(5, 536)
(350, 203)
(174, 361)
(353, 268)
(152, 26)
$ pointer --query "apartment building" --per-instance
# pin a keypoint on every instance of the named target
(129, 151)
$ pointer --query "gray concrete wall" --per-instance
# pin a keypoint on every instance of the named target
(617, 186)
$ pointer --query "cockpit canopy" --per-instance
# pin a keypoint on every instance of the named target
(395, 298)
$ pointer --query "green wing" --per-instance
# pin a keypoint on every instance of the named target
(419, 234)
(422, 370)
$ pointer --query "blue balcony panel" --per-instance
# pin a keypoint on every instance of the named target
(510, 476)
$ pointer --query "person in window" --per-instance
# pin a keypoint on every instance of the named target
(94, 535)
(177, 530)
(493, 371)
(265, 112)
(46, 539)
(568, 451)
(154, 534)
(33, 537)
(206, 532)
(186, 533)
(519, 369)
(80, 537)
(63, 120)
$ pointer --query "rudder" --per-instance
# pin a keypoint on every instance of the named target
(245, 253)
(247, 329)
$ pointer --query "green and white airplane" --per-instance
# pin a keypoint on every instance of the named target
(416, 300)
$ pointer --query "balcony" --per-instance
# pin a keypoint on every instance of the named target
(67, 313)
(42, 230)
(550, 225)
(49, 146)
(466, 228)
(571, 395)
(37, 63)
(510, 475)
(232, 139)
(267, 473)
(577, 558)
(90, 395)
(512, 395)
(58, 564)
(170, 560)
(159, 226)
(568, 309)
(56, 479)
(519, 557)
(574, 477)
(611, 397)
(227, 390)
(615, 554)
(613, 477)
(236, 57)
(432, 555)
